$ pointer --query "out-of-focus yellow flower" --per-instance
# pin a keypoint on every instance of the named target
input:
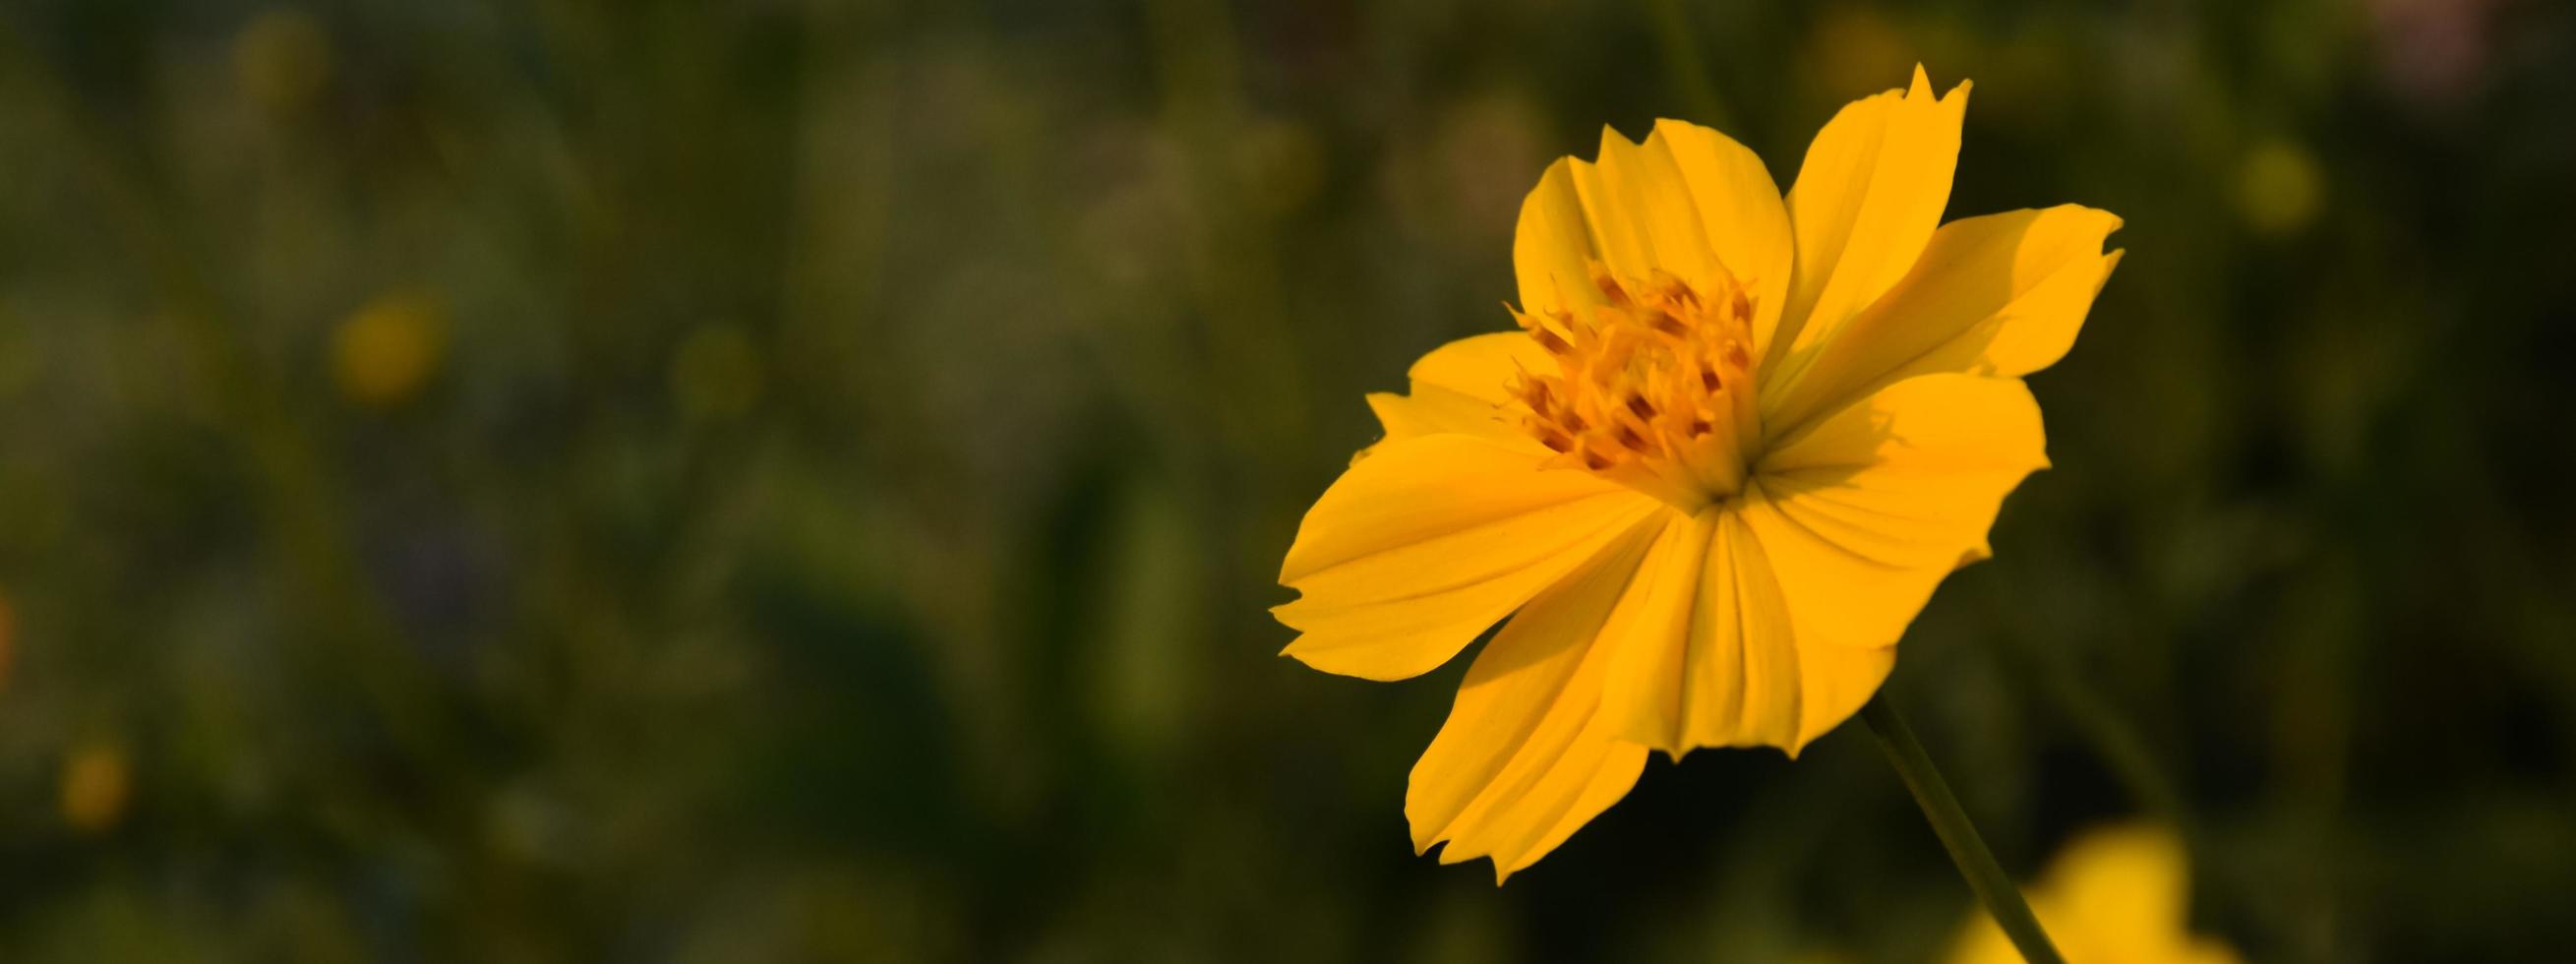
(1736, 444)
(2278, 188)
(716, 373)
(2117, 896)
(96, 787)
(383, 353)
(282, 60)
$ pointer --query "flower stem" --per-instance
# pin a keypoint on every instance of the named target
(1958, 836)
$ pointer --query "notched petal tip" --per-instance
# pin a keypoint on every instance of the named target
(1921, 86)
(2104, 223)
(1562, 167)
(1664, 125)
(1799, 739)
(1612, 140)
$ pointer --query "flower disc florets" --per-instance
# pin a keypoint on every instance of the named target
(1653, 387)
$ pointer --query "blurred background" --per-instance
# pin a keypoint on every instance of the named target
(802, 481)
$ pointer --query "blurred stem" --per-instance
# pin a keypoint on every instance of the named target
(2113, 736)
(1682, 61)
(1958, 836)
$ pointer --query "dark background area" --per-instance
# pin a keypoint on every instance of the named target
(804, 480)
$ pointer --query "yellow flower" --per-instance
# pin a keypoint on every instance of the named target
(385, 352)
(2278, 188)
(2117, 896)
(1737, 442)
(96, 785)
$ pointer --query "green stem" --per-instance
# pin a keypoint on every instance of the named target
(1958, 836)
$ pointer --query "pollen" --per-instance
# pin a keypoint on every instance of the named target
(1653, 387)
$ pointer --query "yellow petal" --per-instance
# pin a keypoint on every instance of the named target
(1867, 198)
(1432, 410)
(1481, 366)
(1862, 513)
(1553, 247)
(1710, 656)
(1686, 201)
(1650, 635)
(1428, 541)
(1525, 759)
(1833, 682)
(1740, 674)
(2001, 295)
(1740, 207)
(1462, 387)
(1625, 224)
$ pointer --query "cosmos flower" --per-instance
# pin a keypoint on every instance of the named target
(1734, 445)
(2115, 895)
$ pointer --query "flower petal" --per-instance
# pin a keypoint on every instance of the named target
(1553, 247)
(1650, 636)
(1433, 410)
(1688, 200)
(1736, 673)
(1833, 682)
(1740, 208)
(1740, 682)
(1462, 387)
(1867, 199)
(1525, 758)
(2002, 294)
(1426, 542)
(1730, 677)
(1482, 366)
(1862, 513)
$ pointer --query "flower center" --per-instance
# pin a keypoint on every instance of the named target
(1653, 388)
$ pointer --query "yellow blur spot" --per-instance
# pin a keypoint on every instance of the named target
(1854, 49)
(282, 61)
(384, 353)
(2119, 895)
(2279, 188)
(96, 787)
(717, 373)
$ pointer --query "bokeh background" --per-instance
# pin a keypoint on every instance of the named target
(801, 481)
